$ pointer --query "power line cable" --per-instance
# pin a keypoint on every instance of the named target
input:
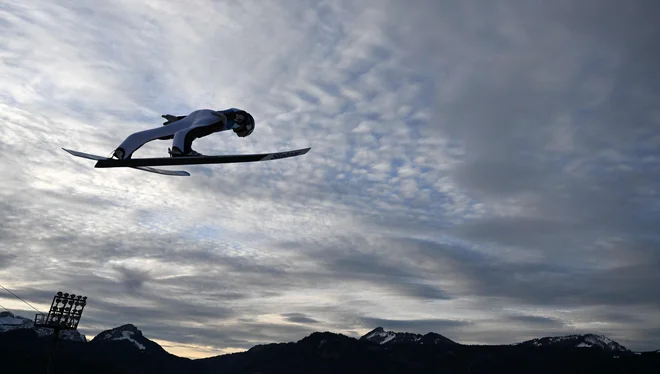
(6, 309)
(20, 299)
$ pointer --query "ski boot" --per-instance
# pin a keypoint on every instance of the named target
(176, 152)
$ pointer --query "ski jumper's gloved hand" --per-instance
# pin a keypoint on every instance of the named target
(170, 118)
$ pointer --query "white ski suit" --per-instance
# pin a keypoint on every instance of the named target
(183, 131)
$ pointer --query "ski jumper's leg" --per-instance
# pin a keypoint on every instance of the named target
(205, 123)
(138, 139)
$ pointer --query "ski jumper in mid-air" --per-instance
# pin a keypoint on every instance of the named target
(185, 129)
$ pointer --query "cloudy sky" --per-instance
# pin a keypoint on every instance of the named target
(487, 170)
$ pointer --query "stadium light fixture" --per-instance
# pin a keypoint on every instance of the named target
(64, 314)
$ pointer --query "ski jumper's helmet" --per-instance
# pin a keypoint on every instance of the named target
(245, 122)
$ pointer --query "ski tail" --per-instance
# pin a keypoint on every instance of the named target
(89, 156)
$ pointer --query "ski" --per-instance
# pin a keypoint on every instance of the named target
(197, 160)
(143, 168)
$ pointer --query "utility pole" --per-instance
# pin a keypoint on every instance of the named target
(65, 312)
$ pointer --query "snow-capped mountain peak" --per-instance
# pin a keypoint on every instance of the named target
(380, 336)
(9, 321)
(579, 341)
(127, 332)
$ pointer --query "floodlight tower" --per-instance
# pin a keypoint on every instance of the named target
(65, 312)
